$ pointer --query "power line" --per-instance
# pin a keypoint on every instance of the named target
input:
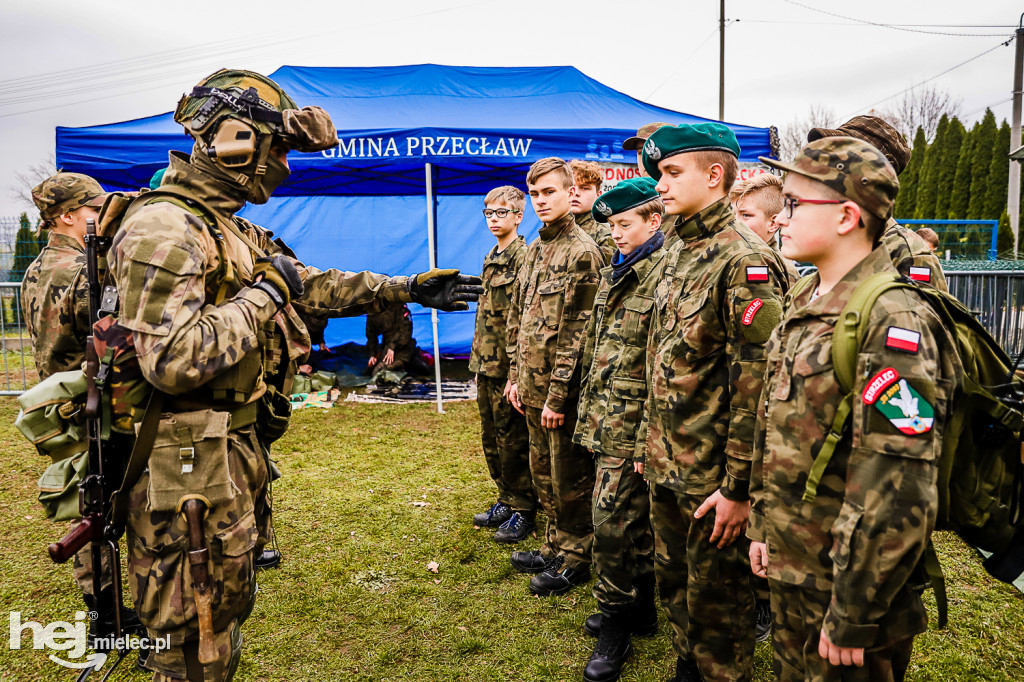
(895, 27)
(988, 106)
(686, 59)
(861, 23)
(938, 75)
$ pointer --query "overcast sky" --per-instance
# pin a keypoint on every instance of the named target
(73, 63)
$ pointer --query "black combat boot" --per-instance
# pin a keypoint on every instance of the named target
(268, 558)
(558, 580)
(534, 562)
(686, 671)
(644, 622)
(613, 645)
(103, 627)
(762, 620)
(517, 528)
(498, 514)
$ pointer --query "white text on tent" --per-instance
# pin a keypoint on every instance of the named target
(380, 147)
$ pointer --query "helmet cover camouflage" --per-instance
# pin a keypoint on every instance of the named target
(65, 192)
(851, 167)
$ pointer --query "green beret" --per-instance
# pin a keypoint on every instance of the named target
(699, 137)
(624, 196)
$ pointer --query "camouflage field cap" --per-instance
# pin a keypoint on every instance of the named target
(875, 131)
(624, 196)
(634, 143)
(64, 192)
(851, 167)
(698, 137)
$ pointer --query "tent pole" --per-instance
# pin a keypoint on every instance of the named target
(433, 264)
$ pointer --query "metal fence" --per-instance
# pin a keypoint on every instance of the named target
(18, 365)
(961, 239)
(997, 298)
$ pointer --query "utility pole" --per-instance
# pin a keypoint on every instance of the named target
(721, 62)
(1013, 196)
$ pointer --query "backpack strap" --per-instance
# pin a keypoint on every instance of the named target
(846, 341)
(138, 459)
(934, 570)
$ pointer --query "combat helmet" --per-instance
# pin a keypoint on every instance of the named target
(236, 117)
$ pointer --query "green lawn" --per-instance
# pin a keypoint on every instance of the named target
(354, 600)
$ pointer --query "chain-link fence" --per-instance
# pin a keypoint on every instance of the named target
(19, 370)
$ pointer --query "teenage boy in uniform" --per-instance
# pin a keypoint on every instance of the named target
(756, 201)
(587, 177)
(719, 299)
(551, 306)
(636, 144)
(506, 442)
(611, 403)
(910, 254)
(839, 566)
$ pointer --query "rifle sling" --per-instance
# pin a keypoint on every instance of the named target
(139, 458)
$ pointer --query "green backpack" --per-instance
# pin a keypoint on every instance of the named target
(981, 474)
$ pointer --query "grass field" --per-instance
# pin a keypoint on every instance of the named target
(371, 494)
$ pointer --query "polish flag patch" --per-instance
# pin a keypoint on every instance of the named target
(921, 274)
(905, 340)
(752, 308)
(757, 273)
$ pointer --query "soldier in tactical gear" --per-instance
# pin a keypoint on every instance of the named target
(211, 303)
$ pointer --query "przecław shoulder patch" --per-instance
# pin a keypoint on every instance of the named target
(899, 402)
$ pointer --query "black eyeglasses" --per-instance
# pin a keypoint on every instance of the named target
(500, 212)
(790, 203)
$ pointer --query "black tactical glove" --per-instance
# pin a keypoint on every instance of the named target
(444, 289)
(278, 277)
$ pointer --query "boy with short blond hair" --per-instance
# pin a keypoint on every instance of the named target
(757, 201)
(552, 303)
(502, 429)
(843, 561)
(611, 403)
(717, 302)
(588, 178)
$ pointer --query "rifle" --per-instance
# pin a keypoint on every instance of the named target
(102, 481)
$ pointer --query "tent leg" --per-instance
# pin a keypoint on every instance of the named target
(433, 264)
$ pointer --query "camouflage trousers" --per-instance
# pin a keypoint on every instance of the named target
(563, 477)
(623, 541)
(706, 591)
(235, 530)
(82, 567)
(506, 444)
(797, 616)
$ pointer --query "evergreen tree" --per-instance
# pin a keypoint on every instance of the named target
(906, 200)
(928, 181)
(947, 159)
(961, 194)
(26, 248)
(998, 175)
(984, 145)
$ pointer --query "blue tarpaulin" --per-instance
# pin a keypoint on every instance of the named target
(362, 205)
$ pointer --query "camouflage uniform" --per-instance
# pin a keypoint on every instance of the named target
(394, 326)
(205, 348)
(600, 233)
(911, 256)
(553, 300)
(844, 562)
(611, 405)
(714, 309)
(503, 433)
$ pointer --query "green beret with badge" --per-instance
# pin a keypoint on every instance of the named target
(697, 137)
(626, 195)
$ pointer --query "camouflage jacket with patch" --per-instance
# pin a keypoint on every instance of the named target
(911, 256)
(393, 326)
(489, 355)
(551, 304)
(615, 359)
(55, 302)
(601, 233)
(186, 294)
(718, 301)
(876, 503)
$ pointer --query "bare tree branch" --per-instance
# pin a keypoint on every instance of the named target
(20, 191)
(921, 107)
(793, 135)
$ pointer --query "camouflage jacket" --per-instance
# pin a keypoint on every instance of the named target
(551, 304)
(185, 294)
(394, 327)
(55, 302)
(615, 359)
(911, 256)
(489, 355)
(670, 225)
(719, 299)
(876, 503)
(601, 233)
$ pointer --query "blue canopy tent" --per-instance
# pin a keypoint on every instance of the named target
(418, 147)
